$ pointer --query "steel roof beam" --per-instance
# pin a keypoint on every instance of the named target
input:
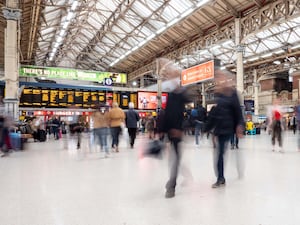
(122, 8)
(268, 16)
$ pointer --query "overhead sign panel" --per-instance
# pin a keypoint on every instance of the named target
(62, 73)
(199, 73)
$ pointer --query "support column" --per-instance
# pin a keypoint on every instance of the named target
(239, 60)
(11, 62)
(159, 85)
(256, 85)
(203, 95)
(142, 82)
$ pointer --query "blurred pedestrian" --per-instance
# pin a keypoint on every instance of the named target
(116, 118)
(101, 127)
(198, 117)
(150, 126)
(173, 126)
(225, 119)
(276, 123)
(132, 119)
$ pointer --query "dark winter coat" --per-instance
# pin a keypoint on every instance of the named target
(132, 117)
(224, 118)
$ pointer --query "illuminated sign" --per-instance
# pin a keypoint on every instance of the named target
(199, 73)
(148, 100)
(62, 73)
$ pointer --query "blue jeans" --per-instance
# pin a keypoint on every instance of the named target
(115, 132)
(198, 130)
(102, 134)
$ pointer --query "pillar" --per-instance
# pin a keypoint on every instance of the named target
(239, 60)
(256, 85)
(142, 82)
(203, 95)
(11, 58)
(159, 85)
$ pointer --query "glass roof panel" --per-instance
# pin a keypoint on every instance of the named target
(133, 18)
(154, 5)
(264, 34)
(272, 44)
(170, 13)
(140, 8)
(125, 26)
(180, 5)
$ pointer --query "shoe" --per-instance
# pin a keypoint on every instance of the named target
(170, 194)
(117, 149)
(237, 147)
(78, 146)
(218, 184)
(2, 154)
(232, 147)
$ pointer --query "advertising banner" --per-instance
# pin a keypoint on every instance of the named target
(148, 100)
(199, 73)
(73, 74)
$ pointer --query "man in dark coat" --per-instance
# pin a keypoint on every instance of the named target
(173, 121)
(226, 119)
(132, 118)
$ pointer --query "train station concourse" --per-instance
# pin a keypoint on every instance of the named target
(149, 112)
(55, 183)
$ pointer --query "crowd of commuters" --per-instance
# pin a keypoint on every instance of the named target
(224, 123)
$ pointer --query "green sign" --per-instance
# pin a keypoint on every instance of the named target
(62, 73)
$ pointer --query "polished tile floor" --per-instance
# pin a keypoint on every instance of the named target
(53, 183)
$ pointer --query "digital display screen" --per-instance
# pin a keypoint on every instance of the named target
(36, 97)
(63, 98)
(148, 100)
(70, 97)
(133, 99)
(45, 97)
(86, 99)
(53, 99)
(124, 100)
(26, 97)
(78, 98)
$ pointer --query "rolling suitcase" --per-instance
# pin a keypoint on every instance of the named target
(15, 141)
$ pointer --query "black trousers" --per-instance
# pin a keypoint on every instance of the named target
(132, 135)
(174, 163)
(222, 144)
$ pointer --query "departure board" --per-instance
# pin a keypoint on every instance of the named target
(36, 97)
(133, 98)
(63, 98)
(78, 98)
(117, 98)
(70, 98)
(86, 99)
(101, 97)
(94, 99)
(26, 98)
(45, 97)
(124, 100)
(53, 98)
(82, 98)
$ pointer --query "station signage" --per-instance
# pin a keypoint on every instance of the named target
(72, 74)
(199, 73)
